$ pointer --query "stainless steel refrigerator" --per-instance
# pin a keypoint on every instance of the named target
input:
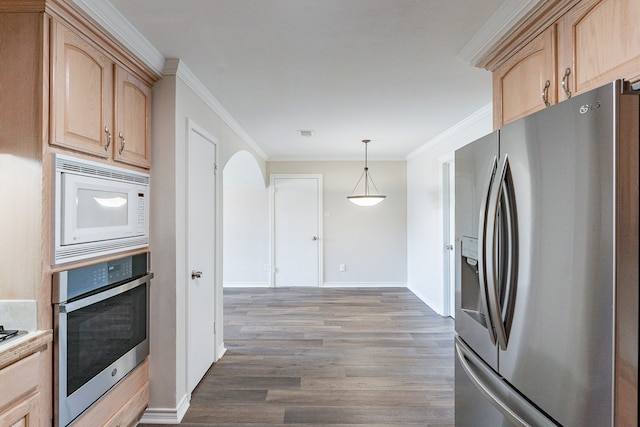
(547, 267)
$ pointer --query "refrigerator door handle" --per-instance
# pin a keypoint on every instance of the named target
(506, 302)
(482, 253)
(502, 318)
(489, 250)
(508, 401)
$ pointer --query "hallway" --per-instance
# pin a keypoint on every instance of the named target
(318, 356)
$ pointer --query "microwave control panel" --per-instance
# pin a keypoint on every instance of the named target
(142, 212)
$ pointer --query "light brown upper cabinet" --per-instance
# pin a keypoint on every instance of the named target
(575, 45)
(598, 42)
(526, 82)
(98, 107)
(133, 120)
(82, 82)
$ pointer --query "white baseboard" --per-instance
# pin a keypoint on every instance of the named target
(245, 284)
(325, 285)
(422, 298)
(221, 351)
(166, 415)
(364, 285)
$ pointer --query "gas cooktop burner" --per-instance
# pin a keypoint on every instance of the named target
(4, 334)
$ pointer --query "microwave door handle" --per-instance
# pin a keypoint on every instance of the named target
(482, 253)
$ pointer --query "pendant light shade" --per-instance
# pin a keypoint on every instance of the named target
(366, 198)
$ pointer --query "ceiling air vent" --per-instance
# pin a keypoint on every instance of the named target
(307, 133)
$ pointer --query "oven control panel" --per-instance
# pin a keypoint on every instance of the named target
(74, 283)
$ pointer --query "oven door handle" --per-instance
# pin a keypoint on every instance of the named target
(100, 296)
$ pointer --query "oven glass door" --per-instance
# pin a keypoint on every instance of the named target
(101, 333)
(102, 337)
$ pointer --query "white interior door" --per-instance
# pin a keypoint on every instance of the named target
(297, 230)
(201, 284)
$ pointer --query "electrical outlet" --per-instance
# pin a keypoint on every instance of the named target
(343, 267)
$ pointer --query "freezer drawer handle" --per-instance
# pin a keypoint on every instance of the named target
(518, 409)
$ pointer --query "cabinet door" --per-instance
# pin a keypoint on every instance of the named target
(24, 413)
(21, 398)
(82, 98)
(133, 114)
(526, 80)
(599, 41)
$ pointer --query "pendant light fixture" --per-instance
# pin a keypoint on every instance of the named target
(366, 198)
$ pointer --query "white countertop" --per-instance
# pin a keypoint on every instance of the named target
(16, 348)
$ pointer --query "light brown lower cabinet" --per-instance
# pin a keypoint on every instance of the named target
(24, 413)
(22, 400)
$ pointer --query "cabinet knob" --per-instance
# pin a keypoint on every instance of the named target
(565, 83)
(122, 141)
(106, 130)
(545, 93)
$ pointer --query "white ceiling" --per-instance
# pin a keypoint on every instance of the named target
(385, 70)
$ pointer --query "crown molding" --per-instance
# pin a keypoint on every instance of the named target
(114, 23)
(177, 67)
(505, 18)
(105, 15)
(483, 113)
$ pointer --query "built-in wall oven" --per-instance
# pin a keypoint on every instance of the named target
(101, 330)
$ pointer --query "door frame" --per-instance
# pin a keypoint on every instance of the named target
(447, 188)
(193, 127)
(272, 223)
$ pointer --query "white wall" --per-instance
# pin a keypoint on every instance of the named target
(425, 207)
(246, 223)
(371, 241)
(174, 101)
(164, 304)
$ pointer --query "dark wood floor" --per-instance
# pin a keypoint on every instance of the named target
(328, 357)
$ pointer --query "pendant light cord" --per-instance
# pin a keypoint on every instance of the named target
(365, 174)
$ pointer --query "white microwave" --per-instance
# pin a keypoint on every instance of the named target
(98, 209)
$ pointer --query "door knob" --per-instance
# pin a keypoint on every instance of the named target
(315, 238)
(195, 274)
